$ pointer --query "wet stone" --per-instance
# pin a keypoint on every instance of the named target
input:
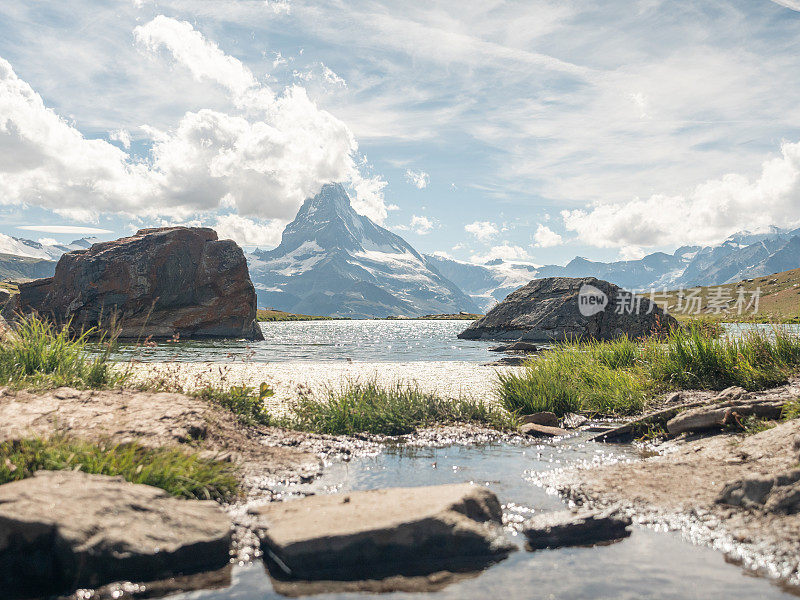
(565, 528)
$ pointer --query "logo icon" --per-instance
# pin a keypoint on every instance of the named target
(591, 300)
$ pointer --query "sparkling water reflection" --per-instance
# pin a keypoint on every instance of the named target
(363, 341)
(646, 565)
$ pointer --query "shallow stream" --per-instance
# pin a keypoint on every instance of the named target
(646, 565)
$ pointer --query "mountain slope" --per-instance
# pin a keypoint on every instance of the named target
(741, 256)
(333, 261)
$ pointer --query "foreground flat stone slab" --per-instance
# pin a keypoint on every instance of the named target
(380, 533)
(62, 530)
(565, 528)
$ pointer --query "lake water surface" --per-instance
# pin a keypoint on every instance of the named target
(361, 341)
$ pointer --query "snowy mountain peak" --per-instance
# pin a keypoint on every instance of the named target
(329, 220)
(333, 261)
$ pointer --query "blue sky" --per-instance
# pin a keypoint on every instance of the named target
(532, 130)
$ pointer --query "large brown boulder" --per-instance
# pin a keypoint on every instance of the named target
(160, 282)
(565, 308)
(63, 530)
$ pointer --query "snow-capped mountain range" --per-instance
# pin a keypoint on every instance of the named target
(742, 256)
(333, 261)
(30, 249)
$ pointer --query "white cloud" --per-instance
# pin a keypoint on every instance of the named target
(47, 241)
(248, 232)
(121, 136)
(203, 58)
(442, 254)
(483, 230)
(418, 179)
(262, 159)
(711, 212)
(504, 252)
(546, 237)
(65, 229)
(419, 225)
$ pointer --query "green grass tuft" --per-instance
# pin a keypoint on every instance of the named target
(243, 401)
(180, 474)
(619, 377)
(43, 356)
(366, 407)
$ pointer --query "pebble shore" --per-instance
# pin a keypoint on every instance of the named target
(447, 379)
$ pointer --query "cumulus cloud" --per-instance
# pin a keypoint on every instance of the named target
(483, 230)
(419, 179)
(504, 251)
(249, 232)
(710, 213)
(261, 159)
(121, 136)
(419, 225)
(546, 237)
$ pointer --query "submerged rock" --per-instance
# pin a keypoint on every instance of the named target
(565, 528)
(565, 308)
(62, 530)
(381, 533)
(168, 282)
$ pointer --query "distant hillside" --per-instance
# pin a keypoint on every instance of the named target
(23, 267)
(779, 299)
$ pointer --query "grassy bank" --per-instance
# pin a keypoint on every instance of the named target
(366, 407)
(42, 356)
(620, 377)
(180, 474)
(266, 315)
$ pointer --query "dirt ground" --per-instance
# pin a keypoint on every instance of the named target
(161, 419)
(681, 489)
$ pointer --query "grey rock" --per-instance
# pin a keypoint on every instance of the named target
(525, 347)
(540, 418)
(548, 310)
(776, 494)
(380, 533)
(720, 414)
(536, 430)
(173, 281)
(565, 528)
(65, 530)
(573, 421)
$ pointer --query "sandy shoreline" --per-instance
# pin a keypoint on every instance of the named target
(446, 378)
